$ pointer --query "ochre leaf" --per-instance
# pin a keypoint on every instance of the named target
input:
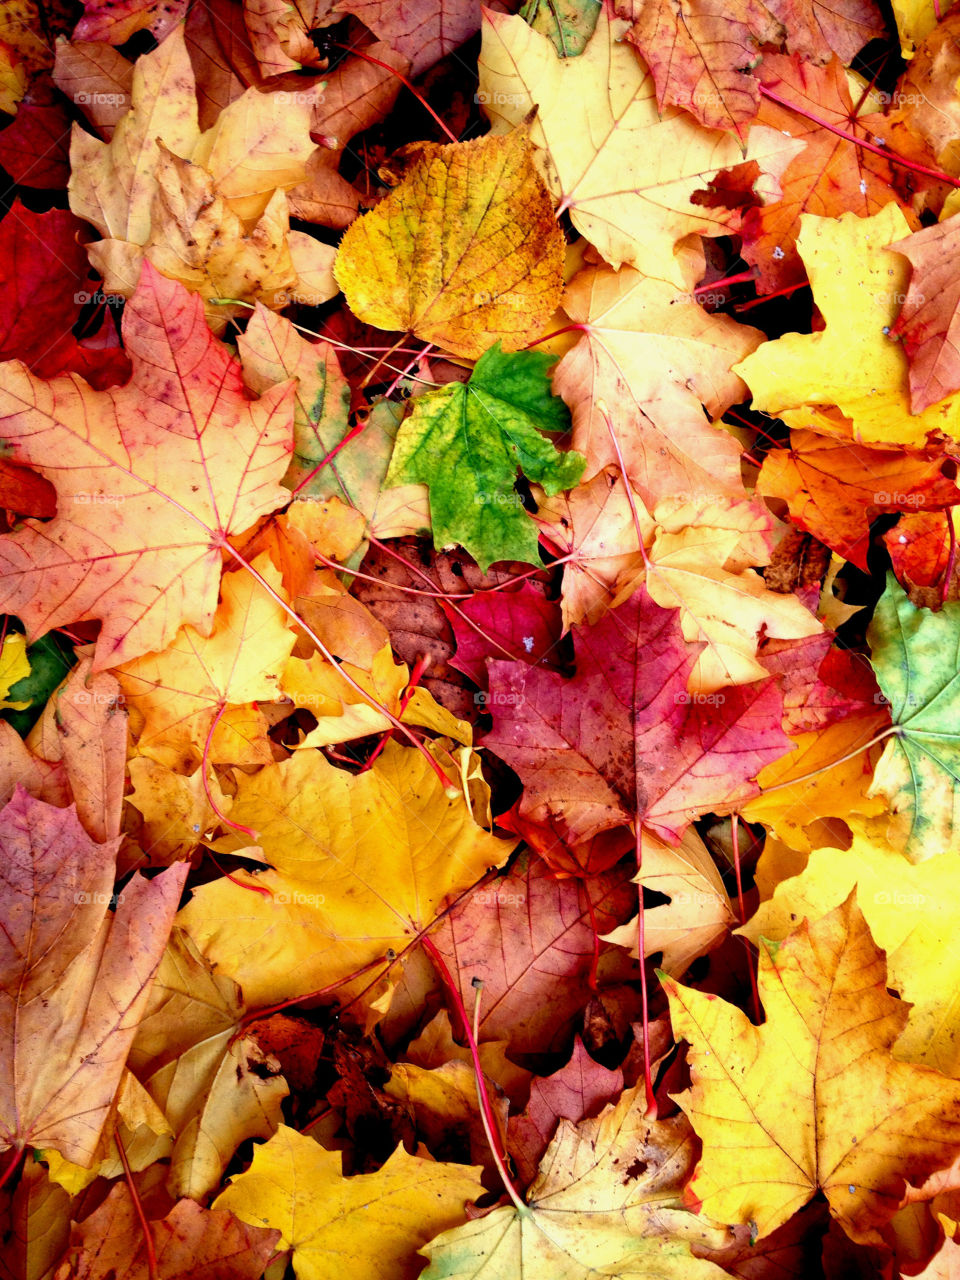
(850, 378)
(74, 976)
(464, 252)
(151, 478)
(373, 1222)
(604, 1203)
(361, 864)
(773, 1105)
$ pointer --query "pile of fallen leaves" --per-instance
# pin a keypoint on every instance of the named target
(480, 668)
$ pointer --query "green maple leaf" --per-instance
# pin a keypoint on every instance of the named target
(916, 657)
(466, 442)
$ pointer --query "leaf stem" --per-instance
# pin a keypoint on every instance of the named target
(449, 787)
(367, 57)
(138, 1207)
(850, 755)
(883, 152)
(486, 1111)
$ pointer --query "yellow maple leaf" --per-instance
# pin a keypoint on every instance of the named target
(360, 864)
(372, 1224)
(913, 911)
(184, 690)
(813, 1098)
(606, 1202)
(850, 379)
(624, 169)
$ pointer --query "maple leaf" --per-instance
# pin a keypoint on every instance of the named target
(834, 487)
(44, 285)
(840, 787)
(215, 1085)
(849, 379)
(910, 912)
(374, 1221)
(464, 252)
(151, 479)
(913, 653)
(467, 441)
(207, 208)
(919, 548)
(519, 935)
(663, 366)
(422, 30)
(699, 56)
(605, 1202)
(626, 172)
(360, 864)
(97, 79)
(781, 1092)
(670, 757)
(927, 322)
(209, 1244)
(520, 623)
(182, 692)
(83, 727)
(577, 1090)
(830, 176)
(76, 976)
(698, 915)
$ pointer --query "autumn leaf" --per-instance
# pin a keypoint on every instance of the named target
(913, 654)
(782, 1090)
(207, 1243)
(834, 487)
(927, 320)
(519, 934)
(422, 30)
(76, 976)
(909, 911)
(850, 378)
(626, 172)
(182, 692)
(143, 498)
(664, 761)
(830, 176)
(360, 865)
(662, 366)
(579, 1089)
(374, 1221)
(464, 253)
(466, 442)
(581, 1219)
